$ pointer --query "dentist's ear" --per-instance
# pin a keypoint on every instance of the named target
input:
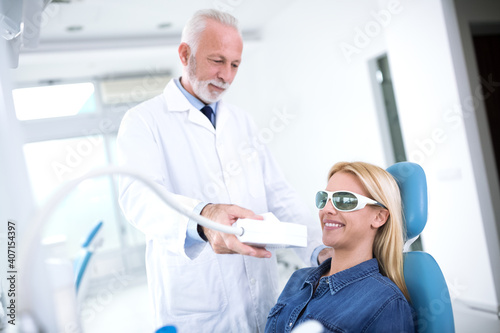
(184, 53)
(380, 218)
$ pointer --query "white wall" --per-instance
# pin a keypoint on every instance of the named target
(480, 12)
(422, 55)
(299, 68)
(16, 200)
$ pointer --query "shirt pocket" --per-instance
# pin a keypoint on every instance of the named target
(272, 318)
(275, 310)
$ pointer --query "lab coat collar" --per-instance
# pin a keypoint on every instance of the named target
(223, 113)
(177, 102)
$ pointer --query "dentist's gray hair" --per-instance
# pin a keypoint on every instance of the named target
(196, 24)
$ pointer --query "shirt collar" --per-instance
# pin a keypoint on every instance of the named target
(343, 278)
(193, 100)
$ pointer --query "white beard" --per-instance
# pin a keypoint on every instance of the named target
(200, 88)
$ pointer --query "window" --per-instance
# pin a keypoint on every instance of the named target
(54, 101)
(68, 130)
(49, 164)
(64, 144)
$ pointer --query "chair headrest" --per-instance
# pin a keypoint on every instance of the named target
(413, 187)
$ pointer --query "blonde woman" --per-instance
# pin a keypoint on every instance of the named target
(361, 289)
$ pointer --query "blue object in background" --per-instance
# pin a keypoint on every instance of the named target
(88, 249)
(167, 329)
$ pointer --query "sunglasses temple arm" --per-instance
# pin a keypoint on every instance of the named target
(379, 204)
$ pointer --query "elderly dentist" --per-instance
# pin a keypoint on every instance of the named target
(205, 152)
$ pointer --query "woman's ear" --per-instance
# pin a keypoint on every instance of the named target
(380, 218)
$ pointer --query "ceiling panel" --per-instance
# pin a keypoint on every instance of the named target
(104, 19)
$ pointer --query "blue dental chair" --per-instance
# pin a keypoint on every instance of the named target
(425, 282)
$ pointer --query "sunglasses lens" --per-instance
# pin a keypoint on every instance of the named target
(345, 201)
(321, 199)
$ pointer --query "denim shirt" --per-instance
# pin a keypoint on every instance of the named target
(358, 299)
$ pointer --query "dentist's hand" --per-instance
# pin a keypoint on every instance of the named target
(226, 243)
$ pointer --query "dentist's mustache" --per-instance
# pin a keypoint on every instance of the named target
(219, 84)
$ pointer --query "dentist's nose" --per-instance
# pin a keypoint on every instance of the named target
(227, 73)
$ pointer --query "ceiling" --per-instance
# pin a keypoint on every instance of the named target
(99, 38)
(104, 19)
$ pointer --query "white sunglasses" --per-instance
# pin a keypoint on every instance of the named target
(345, 201)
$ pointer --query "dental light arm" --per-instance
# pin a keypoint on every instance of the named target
(48, 208)
(32, 234)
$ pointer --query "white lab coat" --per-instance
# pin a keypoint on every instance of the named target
(174, 144)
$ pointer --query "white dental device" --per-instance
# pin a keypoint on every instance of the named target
(271, 233)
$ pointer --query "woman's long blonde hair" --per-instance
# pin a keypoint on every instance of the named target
(389, 240)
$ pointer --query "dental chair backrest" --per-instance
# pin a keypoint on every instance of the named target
(429, 293)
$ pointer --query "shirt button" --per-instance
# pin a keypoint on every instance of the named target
(290, 324)
(252, 281)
